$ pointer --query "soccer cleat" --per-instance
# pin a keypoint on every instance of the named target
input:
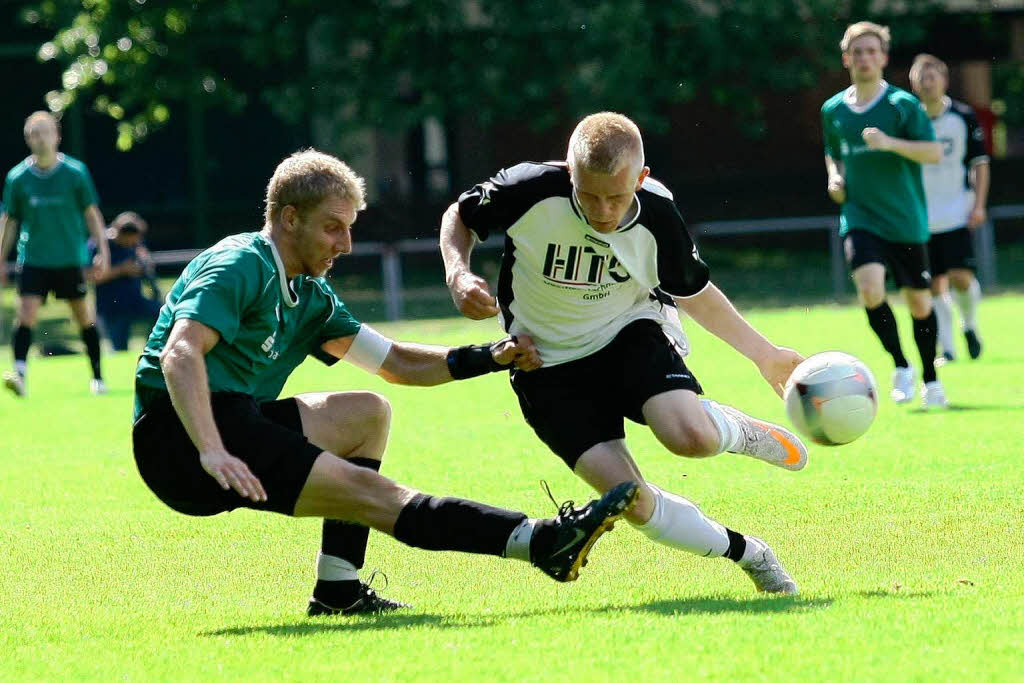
(767, 573)
(973, 343)
(766, 441)
(902, 385)
(15, 382)
(944, 358)
(934, 396)
(573, 532)
(97, 387)
(368, 602)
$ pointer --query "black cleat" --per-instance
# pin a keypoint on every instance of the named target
(973, 343)
(572, 534)
(368, 602)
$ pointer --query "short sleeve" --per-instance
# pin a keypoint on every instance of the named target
(219, 293)
(340, 322)
(11, 204)
(976, 151)
(494, 205)
(85, 191)
(681, 271)
(916, 124)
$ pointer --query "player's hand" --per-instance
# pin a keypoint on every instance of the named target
(232, 473)
(977, 217)
(100, 264)
(876, 139)
(472, 296)
(518, 350)
(777, 366)
(131, 269)
(837, 188)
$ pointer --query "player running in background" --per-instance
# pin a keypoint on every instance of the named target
(210, 436)
(596, 259)
(50, 200)
(957, 192)
(876, 138)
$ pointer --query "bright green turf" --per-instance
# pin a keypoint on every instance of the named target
(906, 544)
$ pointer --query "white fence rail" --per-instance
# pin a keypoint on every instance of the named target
(391, 252)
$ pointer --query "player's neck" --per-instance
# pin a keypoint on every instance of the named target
(289, 260)
(867, 90)
(935, 107)
(44, 161)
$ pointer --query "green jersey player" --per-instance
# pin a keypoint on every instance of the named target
(876, 138)
(50, 205)
(210, 435)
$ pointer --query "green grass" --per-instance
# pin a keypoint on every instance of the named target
(906, 543)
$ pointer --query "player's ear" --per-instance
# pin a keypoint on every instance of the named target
(289, 217)
(846, 60)
(646, 171)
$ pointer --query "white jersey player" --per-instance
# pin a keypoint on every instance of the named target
(956, 190)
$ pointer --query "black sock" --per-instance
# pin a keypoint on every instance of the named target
(92, 346)
(347, 541)
(737, 545)
(883, 322)
(926, 333)
(22, 342)
(456, 524)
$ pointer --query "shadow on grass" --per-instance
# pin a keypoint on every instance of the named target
(963, 408)
(668, 608)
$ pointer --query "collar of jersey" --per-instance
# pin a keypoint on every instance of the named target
(850, 98)
(291, 299)
(574, 203)
(40, 173)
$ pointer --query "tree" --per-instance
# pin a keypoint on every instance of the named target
(391, 63)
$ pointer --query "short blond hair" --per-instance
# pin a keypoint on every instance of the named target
(605, 143)
(308, 177)
(926, 61)
(37, 117)
(865, 28)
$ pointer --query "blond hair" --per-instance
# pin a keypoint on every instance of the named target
(308, 177)
(38, 117)
(605, 143)
(865, 28)
(926, 61)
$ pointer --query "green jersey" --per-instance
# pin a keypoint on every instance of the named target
(49, 206)
(884, 191)
(267, 324)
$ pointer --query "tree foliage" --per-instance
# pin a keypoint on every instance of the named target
(390, 63)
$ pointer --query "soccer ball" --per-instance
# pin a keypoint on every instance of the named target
(831, 398)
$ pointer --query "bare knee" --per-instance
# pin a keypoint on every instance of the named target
(374, 424)
(919, 301)
(961, 279)
(691, 440)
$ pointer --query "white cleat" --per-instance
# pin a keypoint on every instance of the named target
(902, 385)
(15, 382)
(934, 396)
(97, 387)
(769, 442)
(767, 573)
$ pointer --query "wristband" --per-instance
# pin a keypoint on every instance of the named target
(472, 361)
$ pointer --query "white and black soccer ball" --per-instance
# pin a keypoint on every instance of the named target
(831, 398)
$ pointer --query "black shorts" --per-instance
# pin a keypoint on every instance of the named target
(906, 262)
(953, 249)
(268, 437)
(582, 403)
(65, 283)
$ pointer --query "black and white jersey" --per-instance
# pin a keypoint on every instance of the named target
(568, 286)
(946, 185)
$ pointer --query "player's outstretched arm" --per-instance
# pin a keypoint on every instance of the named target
(426, 365)
(715, 313)
(921, 151)
(184, 366)
(469, 291)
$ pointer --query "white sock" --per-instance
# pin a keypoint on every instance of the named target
(331, 568)
(518, 545)
(754, 547)
(729, 432)
(944, 315)
(678, 523)
(968, 302)
(21, 367)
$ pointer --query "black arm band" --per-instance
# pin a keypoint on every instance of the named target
(472, 361)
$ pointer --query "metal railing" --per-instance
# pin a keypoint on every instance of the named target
(391, 252)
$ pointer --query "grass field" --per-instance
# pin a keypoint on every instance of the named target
(906, 544)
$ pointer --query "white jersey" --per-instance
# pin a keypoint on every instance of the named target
(570, 287)
(946, 186)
